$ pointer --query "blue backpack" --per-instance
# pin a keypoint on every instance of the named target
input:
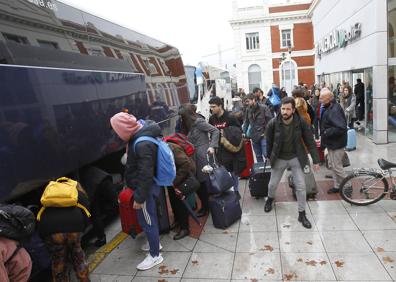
(275, 97)
(166, 168)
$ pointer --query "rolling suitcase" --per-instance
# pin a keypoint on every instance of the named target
(310, 184)
(128, 217)
(162, 212)
(320, 151)
(351, 141)
(225, 209)
(249, 159)
(259, 180)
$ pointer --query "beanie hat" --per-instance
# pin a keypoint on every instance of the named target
(125, 125)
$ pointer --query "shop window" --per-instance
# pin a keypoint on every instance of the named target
(254, 74)
(252, 41)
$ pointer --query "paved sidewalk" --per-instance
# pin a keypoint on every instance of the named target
(346, 243)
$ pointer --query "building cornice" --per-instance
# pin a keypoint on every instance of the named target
(274, 19)
(312, 7)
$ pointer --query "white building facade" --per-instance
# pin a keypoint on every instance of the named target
(351, 39)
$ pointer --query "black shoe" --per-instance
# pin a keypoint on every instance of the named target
(329, 176)
(182, 233)
(202, 212)
(100, 242)
(333, 190)
(174, 225)
(304, 220)
(268, 204)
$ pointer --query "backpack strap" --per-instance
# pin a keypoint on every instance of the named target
(78, 205)
(144, 138)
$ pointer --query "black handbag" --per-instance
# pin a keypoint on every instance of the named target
(220, 179)
(189, 186)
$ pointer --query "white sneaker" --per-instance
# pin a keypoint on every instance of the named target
(150, 262)
(146, 247)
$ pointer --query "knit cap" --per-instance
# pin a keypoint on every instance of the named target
(125, 125)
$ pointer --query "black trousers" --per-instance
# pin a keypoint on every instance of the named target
(179, 210)
(203, 195)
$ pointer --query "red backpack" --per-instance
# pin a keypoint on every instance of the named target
(182, 141)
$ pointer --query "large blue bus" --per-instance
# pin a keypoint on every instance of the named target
(63, 74)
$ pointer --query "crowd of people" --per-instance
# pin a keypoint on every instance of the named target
(283, 129)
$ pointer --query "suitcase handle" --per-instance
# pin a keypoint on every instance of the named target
(214, 163)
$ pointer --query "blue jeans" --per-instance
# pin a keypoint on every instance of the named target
(260, 150)
(147, 218)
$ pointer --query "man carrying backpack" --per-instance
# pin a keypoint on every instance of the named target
(62, 227)
(139, 176)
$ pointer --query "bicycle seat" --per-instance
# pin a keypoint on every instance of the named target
(385, 164)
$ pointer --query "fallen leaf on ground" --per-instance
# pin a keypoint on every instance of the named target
(286, 226)
(267, 248)
(162, 280)
(388, 259)
(289, 277)
(194, 262)
(323, 262)
(174, 271)
(270, 271)
(309, 243)
(339, 263)
(225, 232)
(380, 250)
(287, 243)
(253, 280)
(300, 260)
(311, 262)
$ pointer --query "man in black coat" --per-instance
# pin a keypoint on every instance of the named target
(333, 128)
(256, 120)
(232, 156)
(287, 136)
(359, 92)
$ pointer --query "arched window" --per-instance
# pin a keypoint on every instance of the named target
(288, 74)
(254, 73)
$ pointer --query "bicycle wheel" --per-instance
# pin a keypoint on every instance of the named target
(364, 188)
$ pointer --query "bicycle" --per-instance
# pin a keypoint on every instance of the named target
(365, 186)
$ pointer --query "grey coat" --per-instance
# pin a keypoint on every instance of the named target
(199, 137)
(349, 107)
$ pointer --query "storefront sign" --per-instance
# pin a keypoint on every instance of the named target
(338, 38)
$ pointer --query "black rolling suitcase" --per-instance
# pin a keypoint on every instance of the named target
(225, 209)
(259, 180)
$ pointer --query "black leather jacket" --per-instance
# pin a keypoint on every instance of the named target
(333, 127)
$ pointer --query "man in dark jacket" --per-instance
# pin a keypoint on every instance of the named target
(257, 118)
(359, 92)
(139, 176)
(286, 136)
(222, 120)
(333, 128)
